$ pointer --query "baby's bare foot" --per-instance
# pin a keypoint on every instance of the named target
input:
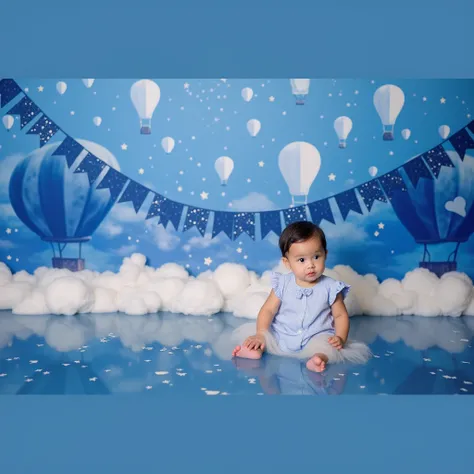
(317, 363)
(242, 351)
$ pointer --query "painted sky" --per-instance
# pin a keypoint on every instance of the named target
(208, 119)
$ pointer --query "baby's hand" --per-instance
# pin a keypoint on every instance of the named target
(336, 342)
(255, 342)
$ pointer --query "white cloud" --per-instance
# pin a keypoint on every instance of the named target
(6, 244)
(201, 242)
(345, 230)
(164, 238)
(253, 202)
(125, 250)
(6, 210)
(124, 212)
(110, 229)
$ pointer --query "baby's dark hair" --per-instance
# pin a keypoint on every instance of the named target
(300, 232)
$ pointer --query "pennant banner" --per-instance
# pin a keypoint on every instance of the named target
(233, 224)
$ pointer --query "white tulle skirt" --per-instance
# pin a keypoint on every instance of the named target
(353, 351)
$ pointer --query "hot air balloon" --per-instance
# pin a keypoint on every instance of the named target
(224, 167)
(97, 121)
(343, 126)
(168, 144)
(88, 82)
(57, 204)
(406, 133)
(373, 171)
(388, 102)
(300, 89)
(8, 121)
(61, 87)
(444, 131)
(247, 94)
(299, 164)
(253, 127)
(422, 210)
(145, 95)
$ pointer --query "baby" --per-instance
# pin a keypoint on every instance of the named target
(304, 316)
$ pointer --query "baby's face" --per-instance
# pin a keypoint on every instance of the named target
(307, 260)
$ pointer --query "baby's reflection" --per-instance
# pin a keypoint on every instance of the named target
(289, 376)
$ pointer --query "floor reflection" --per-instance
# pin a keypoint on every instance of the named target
(170, 355)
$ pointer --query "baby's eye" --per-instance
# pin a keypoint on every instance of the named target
(316, 257)
(301, 260)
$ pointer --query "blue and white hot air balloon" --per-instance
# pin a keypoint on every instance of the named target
(300, 89)
(224, 167)
(247, 94)
(145, 95)
(388, 102)
(8, 121)
(406, 133)
(444, 131)
(167, 144)
(58, 205)
(299, 164)
(88, 82)
(343, 126)
(253, 127)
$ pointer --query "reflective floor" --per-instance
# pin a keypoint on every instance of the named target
(166, 354)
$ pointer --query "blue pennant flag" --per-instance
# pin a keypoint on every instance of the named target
(392, 182)
(170, 211)
(70, 149)
(436, 158)
(196, 217)
(461, 141)
(223, 222)
(9, 89)
(320, 210)
(45, 128)
(471, 126)
(416, 169)
(26, 109)
(136, 193)
(294, 214)
(244, 222)
(270, 221)
(154, 210)
(347, 201)
(92, 166)
(114, 181)
(371, 192)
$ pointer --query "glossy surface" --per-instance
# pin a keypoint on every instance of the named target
(164, 355)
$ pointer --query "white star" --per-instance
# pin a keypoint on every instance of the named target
(349, 160)
(9, 257)
(356, 92)
(249, 180)
(72, 112)
(261, 164)
(186, 85)
(227, 128)
(223, 193)
(180, 188)
(204, 195)
(348, 104)
(141, 171)
(424, 99)
(124, 146)
(148, 387)
(207, 261)
(8, 231)
(442, 100)
(390, 153)
(376, 233)
(381, 225)
(252, 381)
(239, 250)
(284, 112)
(271, 99)
(332, 177)
(40, 89)
(246, 257)
(93, 379)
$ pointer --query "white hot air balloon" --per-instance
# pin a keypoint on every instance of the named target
(444, 131)
(224, 167)
(97, 121)
(300, 89)
(373, 171)
(253, 127)
(343, 126)
(145, 95)
(299, 164)
(61, 87)
(388, 102)
(168, 144)
(8, 121)
(406, 133)
(247, 94)
(88, 82)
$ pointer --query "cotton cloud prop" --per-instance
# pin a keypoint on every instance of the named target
(138, 289)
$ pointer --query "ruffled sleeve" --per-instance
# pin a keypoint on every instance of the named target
(336, 287)
(277, 281)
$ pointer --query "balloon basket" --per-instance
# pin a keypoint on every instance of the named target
(439, 268)
(72, 264)
(145, 130)
(388, 136)
(299, 102)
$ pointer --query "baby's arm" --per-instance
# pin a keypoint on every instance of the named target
(267, 312)
(341, 318)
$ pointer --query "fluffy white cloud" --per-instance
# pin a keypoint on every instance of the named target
(253, 202)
